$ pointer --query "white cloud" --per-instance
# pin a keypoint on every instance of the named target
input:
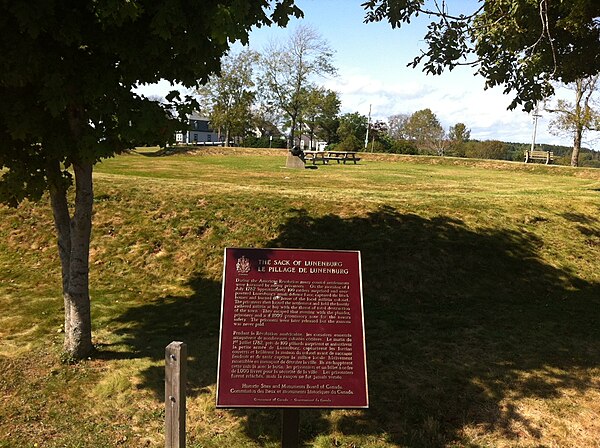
(453, 97)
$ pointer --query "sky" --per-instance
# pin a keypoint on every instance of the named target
(372, 72)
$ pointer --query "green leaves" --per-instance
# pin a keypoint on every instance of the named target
(117, 12)
(577, 117)
(283, 11)
(522, 45)
(228, 97)
(448, 46)
(395, 12)
(352, 124)
(67, 71)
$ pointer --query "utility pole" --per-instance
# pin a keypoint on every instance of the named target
(536, 116)
(368, 126)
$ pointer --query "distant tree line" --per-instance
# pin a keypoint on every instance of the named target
(422, 133)
(274, 99)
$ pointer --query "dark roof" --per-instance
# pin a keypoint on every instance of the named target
(196, 116)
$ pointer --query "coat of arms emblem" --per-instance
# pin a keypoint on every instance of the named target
(243, 265)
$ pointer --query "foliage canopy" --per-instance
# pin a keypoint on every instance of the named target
(228, 98)
(523, 45)
(67, 71)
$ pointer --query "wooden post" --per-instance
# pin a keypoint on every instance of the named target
(175, 380)
(290, 425)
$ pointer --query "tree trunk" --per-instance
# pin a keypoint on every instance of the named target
(292, 132)
(78, 330)
(73, 247)
(62, 224)
(227, 137)
(576, 146)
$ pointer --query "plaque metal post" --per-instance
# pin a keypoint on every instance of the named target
(290, 426)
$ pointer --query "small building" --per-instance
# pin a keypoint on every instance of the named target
(198, 133)
(311, 145)
(265, 128)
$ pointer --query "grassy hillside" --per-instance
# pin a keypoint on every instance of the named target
(481, 286)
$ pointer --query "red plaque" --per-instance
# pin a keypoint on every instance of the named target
(292, 331)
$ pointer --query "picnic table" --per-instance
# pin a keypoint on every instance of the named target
(326, 156)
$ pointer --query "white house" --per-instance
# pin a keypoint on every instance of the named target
(311, 145)
(199, 132)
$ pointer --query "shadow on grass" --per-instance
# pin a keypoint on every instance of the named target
(458, 322)
(587, 225)
(192, 319)
(174, 150)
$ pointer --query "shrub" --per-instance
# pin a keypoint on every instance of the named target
(403, 147)
(489, 149)
(350, 143)
(377, 146)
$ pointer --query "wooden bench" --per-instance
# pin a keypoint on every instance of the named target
(546, 156)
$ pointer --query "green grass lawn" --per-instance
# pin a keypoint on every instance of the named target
(481, 287)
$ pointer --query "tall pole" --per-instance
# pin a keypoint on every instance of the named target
(368, 126)
(536, 115)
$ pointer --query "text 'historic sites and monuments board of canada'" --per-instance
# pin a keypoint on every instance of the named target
(292, 330)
